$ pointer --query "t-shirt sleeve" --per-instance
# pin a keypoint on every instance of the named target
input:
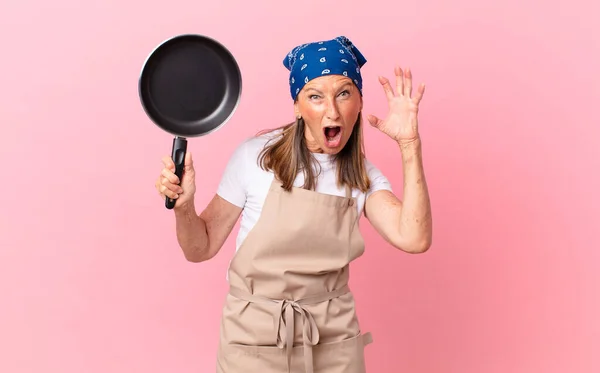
(233, 184)
(377, 178)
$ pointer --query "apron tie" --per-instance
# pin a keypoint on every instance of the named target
(284, 321)
(285, 331)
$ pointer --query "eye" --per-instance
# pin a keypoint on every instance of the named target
(344, 93)
(313, 97)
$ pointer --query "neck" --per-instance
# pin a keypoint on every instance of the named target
(311, 144)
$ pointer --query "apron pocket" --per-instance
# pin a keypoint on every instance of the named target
(345, 356)
(234, 358)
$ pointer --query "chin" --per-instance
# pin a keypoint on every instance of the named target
(331, 151)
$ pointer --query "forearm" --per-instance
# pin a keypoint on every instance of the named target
(192, 234)
(415, 215)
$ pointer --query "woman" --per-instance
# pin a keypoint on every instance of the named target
(302, 189)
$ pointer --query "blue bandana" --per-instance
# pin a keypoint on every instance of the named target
(332, 57)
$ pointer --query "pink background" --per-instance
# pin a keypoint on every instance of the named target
(92, 279)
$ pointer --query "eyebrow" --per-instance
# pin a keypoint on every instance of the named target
(316, 90)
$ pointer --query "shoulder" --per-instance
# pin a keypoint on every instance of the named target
(252, 146)
(372, 170)
(377, 178)
(243, 161)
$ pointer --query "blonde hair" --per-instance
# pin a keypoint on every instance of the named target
(288, 155)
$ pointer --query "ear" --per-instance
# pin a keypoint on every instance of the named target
(296, 110)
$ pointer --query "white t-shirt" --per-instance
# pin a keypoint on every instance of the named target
(246, 185)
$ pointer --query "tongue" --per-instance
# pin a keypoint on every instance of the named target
(331, 132)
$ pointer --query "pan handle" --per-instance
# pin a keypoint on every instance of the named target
(178, 156)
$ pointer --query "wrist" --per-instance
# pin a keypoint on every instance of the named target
(185, 208)
(410, 150)
(409, 144)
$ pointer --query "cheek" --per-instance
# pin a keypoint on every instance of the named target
(314, 127)
(312, 112)
(351, 116)
(350, 107)
(312, 119)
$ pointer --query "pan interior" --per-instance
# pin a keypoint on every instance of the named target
(190, 86)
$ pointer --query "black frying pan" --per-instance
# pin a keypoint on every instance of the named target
(190, 85)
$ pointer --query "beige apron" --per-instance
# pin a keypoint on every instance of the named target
(289, 308)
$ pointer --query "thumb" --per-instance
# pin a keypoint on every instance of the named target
(188, 163)
(374, 121)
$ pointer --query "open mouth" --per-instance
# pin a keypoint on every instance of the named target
(333, 135)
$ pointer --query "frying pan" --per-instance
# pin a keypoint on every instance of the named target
(190, 85)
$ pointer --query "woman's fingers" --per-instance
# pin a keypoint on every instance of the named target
(387, 88)
(399, 80)
(170, 176)
(407, 83)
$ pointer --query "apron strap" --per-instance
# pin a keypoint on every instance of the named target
(284, 320)
(348, 191)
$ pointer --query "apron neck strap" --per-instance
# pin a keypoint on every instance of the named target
(348, 191)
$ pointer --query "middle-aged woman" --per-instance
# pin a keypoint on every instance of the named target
(300, 190)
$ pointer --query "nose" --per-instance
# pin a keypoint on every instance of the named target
(332, 111)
